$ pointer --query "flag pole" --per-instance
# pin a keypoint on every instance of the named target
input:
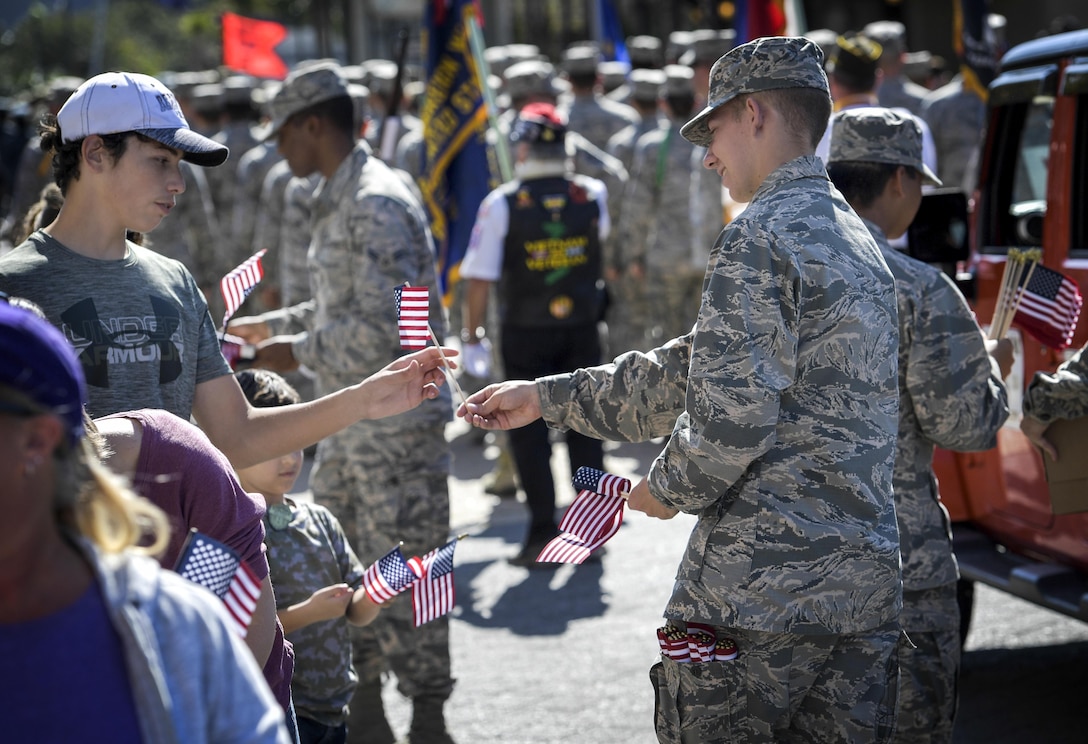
(476, 42)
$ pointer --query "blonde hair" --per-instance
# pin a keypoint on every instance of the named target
(92, 501)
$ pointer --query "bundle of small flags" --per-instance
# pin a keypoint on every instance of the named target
(239, 282)
(218, 568)
(413, 306)
(698, 643)
(593, 517)
(431, 579)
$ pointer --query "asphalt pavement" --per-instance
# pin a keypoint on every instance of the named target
(562, 655)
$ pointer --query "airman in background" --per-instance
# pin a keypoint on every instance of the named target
(587, 112)
(896, 90)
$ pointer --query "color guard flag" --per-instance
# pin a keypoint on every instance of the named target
(240, 281)
(755, 18)
(413, 315)
(218, 568)
(595, 516)
(457, 172)
(1049, 307)
(389, 576)
(249, 45)
(432, 595)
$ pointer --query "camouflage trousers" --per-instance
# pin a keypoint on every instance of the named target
(782, 687)
(929, 667)
(672, 302)
(376, 514)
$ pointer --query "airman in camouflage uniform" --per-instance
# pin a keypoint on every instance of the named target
(1060, 395)
(896, 89)
(657, 240)
(782, 408)
(589, 113)
(957, 118)
(628, 314)
(950, 395)
(385, 480)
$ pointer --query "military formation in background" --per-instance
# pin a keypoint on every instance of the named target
(666, 209)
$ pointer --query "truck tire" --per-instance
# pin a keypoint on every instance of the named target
(965, 598)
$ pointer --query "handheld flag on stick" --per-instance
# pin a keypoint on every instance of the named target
(240, 281)
(591, 520)
(413, 306)
(1049, 307)
(432, 595)
(388, 576)
(413, 316)
(1018, 264)
(218, 568)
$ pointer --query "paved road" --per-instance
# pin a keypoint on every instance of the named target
(544, 657)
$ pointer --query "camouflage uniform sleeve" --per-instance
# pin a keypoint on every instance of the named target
(635, 398)
(380, 249)
(954, 385)
(743, 356)
(1062, 394)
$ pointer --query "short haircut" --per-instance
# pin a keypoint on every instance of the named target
(266, 389)
(862, 182)
(805, 111)
(338, 111)
(67, 155)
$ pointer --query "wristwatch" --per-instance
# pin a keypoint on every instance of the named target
(473, 337)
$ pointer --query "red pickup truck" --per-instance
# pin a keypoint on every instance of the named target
(1032, 193)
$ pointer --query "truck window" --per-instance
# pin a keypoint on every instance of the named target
(1016, 188)
(1078, 245)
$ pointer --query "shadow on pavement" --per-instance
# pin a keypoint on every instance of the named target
(1028, 694)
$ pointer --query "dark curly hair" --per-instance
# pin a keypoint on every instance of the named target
(266, 389)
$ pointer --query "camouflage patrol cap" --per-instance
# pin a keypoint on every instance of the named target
(878, 135)
(645, 51)
(769, 63)
(534, 78)
(304, 88)
(679, 81)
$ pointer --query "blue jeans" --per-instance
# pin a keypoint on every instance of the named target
(312, 732)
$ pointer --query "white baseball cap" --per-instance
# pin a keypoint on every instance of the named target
(115, 102)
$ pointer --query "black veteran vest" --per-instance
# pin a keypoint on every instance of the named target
(552, 254)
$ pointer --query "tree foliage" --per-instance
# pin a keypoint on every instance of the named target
(146, 36)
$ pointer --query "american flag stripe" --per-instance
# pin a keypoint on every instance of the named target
(589, 522)
(240, 281)
(433, 594)
(241, 598)
(389, 576)
(217, 567)
(413, 316)
(1049, 307)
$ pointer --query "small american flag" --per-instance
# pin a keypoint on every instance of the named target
(1049, 307)
(240, 281)
(389, 576)
(432, 595)
(593, 517)
(413, 313)
(218, 568)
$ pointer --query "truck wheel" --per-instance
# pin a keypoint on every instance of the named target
(965, 598)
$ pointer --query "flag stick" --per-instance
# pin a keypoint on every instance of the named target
(446, 364)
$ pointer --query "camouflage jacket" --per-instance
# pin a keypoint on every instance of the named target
(950, 396)
(784, 399)
(1061, 395)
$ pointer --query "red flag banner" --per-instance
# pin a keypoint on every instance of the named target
(1049, 307)
(249, 45)
(591, 520)
(240, 281)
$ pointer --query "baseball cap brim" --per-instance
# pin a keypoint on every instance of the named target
(196, 148)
